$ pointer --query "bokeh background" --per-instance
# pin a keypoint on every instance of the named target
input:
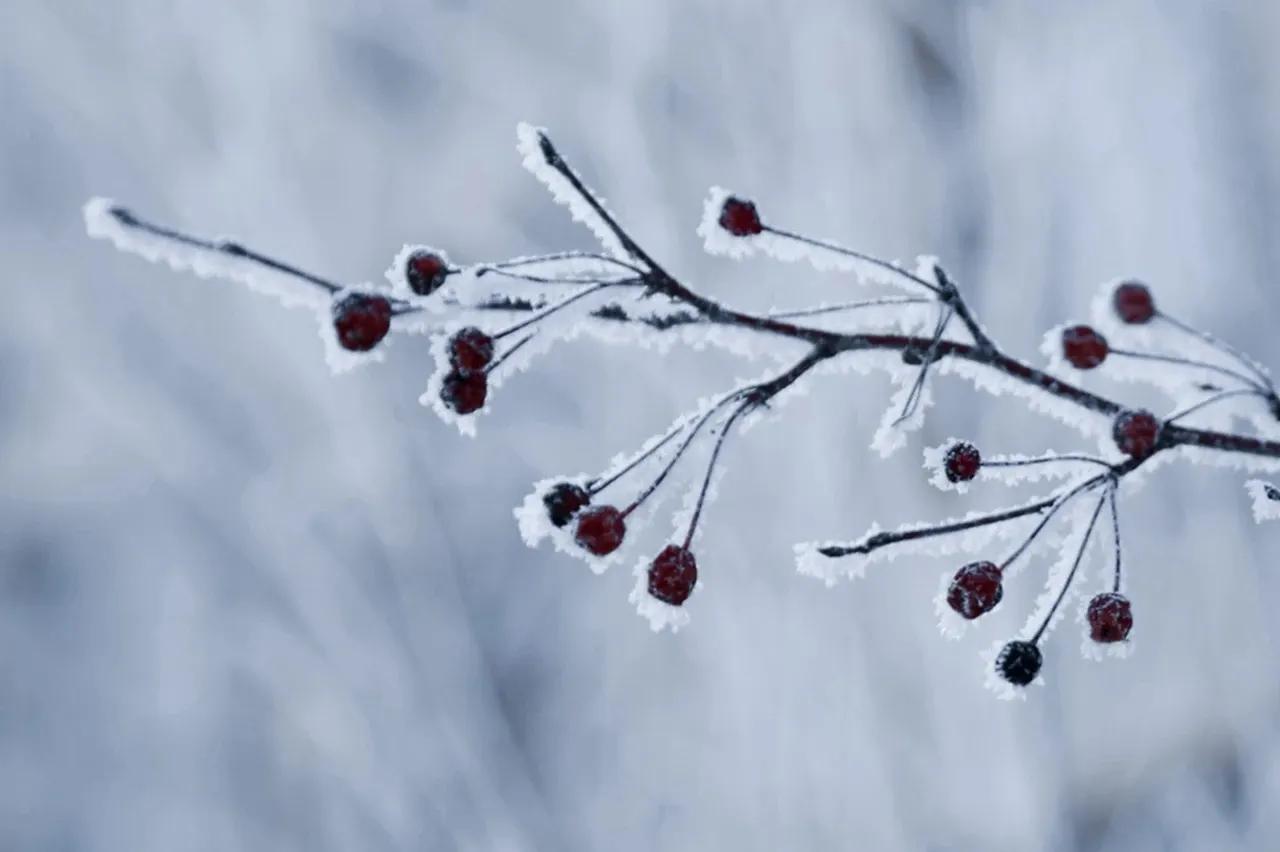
(246, 604)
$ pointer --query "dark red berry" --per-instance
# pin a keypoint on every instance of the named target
(464, 392)
(470, 349)
(361, 321)
(426, 272)
(600, 530)
(739, 217)
(975, 590)
(1133, 303)
(672, 575)
(1136, 433)
(1083, 347)
(1110, 617)
(961, 462)
(563, 502)
(1019, 662)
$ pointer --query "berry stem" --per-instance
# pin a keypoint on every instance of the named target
(544, 279)
(556, 306)
(538, 259)
(505, 355)
(913, 398)
(1068, 457)
(1071, 575)
(599, 485)
(1222, 346)
(1191, 409)
(850, 306)
(857, 255)
(876, 541)
(1115, 526)
(1190, 362)
(1053, 510)
(711, 465)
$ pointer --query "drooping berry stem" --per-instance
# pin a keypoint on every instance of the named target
(930, 354)
(1071, 575)
(856, 255)
(1065, 457)
(638, 458)
(851, 306)
(538, 259)
(727, 427)
(1053, 510)
(560, 305)
(1222, 346)
(1189, 362)
(515, 347)
(1115, 527)
(1218, 397)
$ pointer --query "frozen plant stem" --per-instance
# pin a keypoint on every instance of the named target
(664, 303)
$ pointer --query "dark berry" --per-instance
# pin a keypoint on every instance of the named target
(739, 217)
(1133, 303)
(464, 392)
(361, 321)
(1083, 347)
(976, 589)
(1019, 662)
(1136, 433)
(563, 501)
(1110, 617)
(961, 462)
(673, 575)
(426, 272)
(470, 350)
(600, 530)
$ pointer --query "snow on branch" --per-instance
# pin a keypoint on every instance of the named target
(489, 321)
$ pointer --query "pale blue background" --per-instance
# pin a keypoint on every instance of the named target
(247, 605)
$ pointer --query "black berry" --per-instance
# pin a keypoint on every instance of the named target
(464, 392)
(600, 530)
(1136, 433)
(1083, 347)
(1133, 303)
(361, 321)
(961, 462)
(563, 502)
(1019, 662)
(975, 590)
(739, 217)
(672, 575)
(470, 349)
(1110, 617)
(426, 272)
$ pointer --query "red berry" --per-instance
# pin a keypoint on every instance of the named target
(1083, 347)
(976, 589)
(1136, 433)
(600, 530)
(961, 462)
(470, 350)
(426, 272)
(739, 217)
(1132, 301)
(464, 392)
(673, 575)
(563, 501)
(1019, 662)
(361, 321)
(1110, 617)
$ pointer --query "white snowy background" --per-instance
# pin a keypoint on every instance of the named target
(245, 604)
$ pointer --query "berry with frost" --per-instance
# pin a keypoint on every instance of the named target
(672, 575)
(426, 272)
(1136, 433)
(962, 461)
(563, 502)
(1110, 617)
(470, 350)
(361, 320)
(464, 391)
(1083, 347)
(975, 590)
(739, 217)
(600, 530)
(1019, 662)
(1133, 303)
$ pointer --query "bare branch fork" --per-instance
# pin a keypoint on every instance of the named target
(538, 298)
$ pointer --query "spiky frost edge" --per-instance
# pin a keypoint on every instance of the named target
(563, 192)
(1264, 507)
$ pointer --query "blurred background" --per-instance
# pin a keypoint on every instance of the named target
(246, 604)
